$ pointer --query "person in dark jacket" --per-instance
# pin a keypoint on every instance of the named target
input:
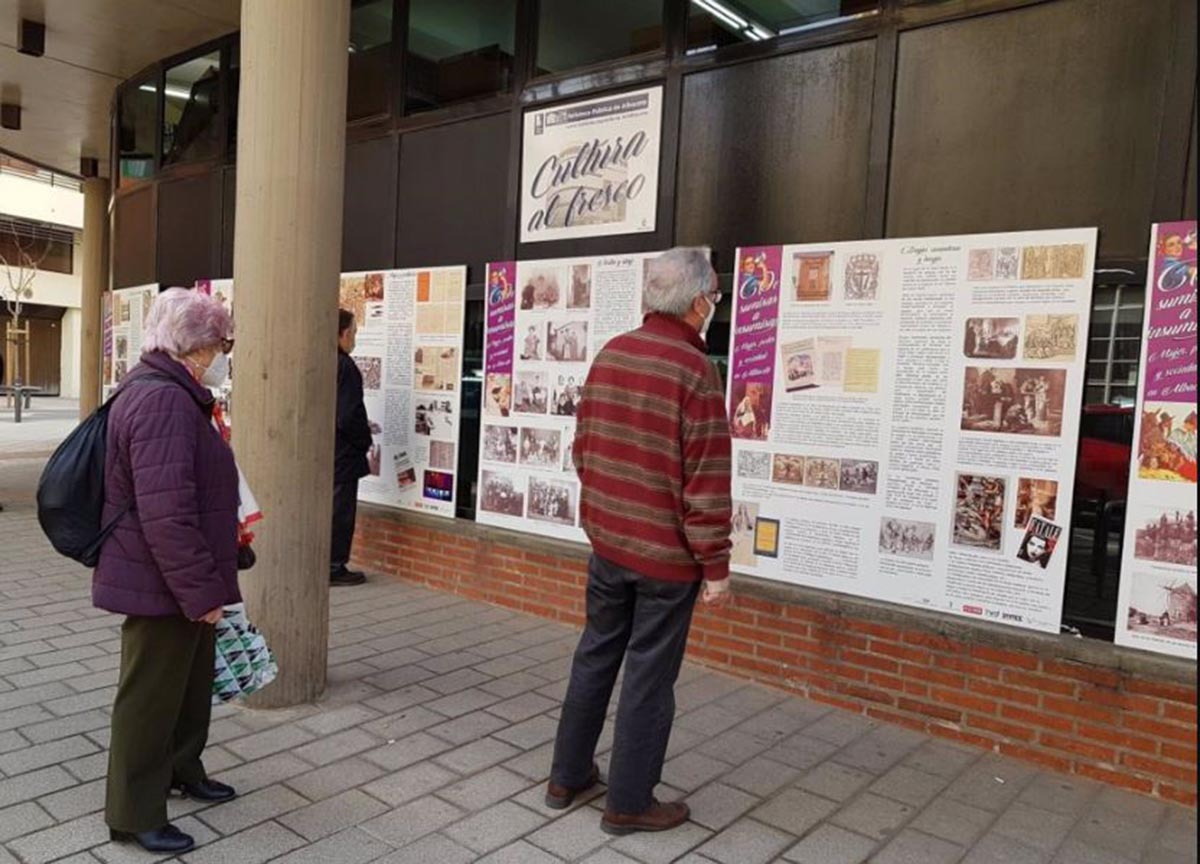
(353, 442)
(170, 565)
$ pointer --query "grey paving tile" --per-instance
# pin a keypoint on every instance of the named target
(909, 785)
(839, 727)
(991, 783)
(746, 842)
(411, 783)
(494, 827)
(913, 847)
(333, 748)
(829, 844)
(462, 702)
(339, 719)
(34, 785)
(717, 806)
(75, 801)
(941, 758)
(523, 707)
(662, 848)
(761, 776)
(996, 849)
(43, 755)
(1044, 830)
(61, 841)
(347, 847)
(258, 844)
(874, 816)
(690, 771)
(23, 819)
(252, 809)
(431, 849)
(398, 700)
(520, 853)
(572, 836)
(534, 798)
(801, 752)
(952, 820)
(794, 811)
(406, 751)
(336, 778)
(269, 742)
(333, 815)
(469, 727)
(413, 821)
(403, 723)
(1058, 794)
(834, 781)
(483, 790)
(477, 755)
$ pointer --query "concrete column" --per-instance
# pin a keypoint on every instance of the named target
(95, 283)
(287, 255)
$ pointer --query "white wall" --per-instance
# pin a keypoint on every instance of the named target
(72, 337)
(40, 202)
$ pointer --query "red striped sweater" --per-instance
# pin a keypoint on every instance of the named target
(653, 453)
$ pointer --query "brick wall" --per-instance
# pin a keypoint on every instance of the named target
(1108, 716)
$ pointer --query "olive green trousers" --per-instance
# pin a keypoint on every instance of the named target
(160, 718)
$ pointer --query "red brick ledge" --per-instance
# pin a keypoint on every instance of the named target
(1077, 706)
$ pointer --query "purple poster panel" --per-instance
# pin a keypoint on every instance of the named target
(756, 326)
(498, 352)
(1171, 329)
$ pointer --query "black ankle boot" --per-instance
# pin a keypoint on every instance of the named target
(168, 839)
(207, 790)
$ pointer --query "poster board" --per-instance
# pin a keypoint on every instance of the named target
(905, 417)
(1156, 606)
(410, 352)
(590, 168)
(545, 322)
(123, 322)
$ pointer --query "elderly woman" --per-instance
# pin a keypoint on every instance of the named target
(170, 565)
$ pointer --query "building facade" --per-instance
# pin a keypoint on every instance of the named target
(857, 120)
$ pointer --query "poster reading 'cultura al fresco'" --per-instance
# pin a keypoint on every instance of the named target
(1157, 605)
(904, 418)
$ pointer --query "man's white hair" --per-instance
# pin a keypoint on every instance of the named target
(675, 279)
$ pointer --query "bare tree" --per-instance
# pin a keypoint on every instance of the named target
(21, 260)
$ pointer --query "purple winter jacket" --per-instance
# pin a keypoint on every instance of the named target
(176, 551)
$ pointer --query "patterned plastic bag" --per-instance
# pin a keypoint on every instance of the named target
(244, 663)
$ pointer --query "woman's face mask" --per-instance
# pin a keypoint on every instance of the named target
(217, 371)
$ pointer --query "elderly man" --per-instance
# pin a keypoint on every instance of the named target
(652, 450)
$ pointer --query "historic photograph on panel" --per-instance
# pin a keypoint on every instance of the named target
(751, 417)
(745, 515)
(403, 468)
(1051, 337)
(553, 500)
(1035, 498)
(822, 473)
(811, 276)
(372, 371)
(566, 396)
(501, 494)
(860, 475)
(435, 368)
(862, 277)
(991, 338)
(541, 448)
(1008, 262)
(906, 538)
(541, 290)
(754, 464)
(435, 418)
(1168, 537)
(441, 455)
(532, 394)
(981, 265)
(581, 287)
(500, 444)
(497, 394)
(1163, 604)
(787, 469)
(979, 511)
(799, 365)
(1040, 541)
(1013, 401)
(567, 341)
(1063, 261)
(1167, 442)
(531, 343)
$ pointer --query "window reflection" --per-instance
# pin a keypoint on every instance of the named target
(191, 110)
(370, 72)
(713, 24)
(575, 33)
(458, 50)
(137, 132)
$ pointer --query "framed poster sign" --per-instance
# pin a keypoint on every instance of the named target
(590, 168)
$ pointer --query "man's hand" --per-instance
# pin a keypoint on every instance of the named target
(212, 617)
(716, 594)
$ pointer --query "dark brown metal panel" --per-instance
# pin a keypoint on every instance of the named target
(1045, 116)
(1189, 197)
(369, 206)
(189, 229)
(228, 209)
(776, 151)
(453, 193)
(134, 260)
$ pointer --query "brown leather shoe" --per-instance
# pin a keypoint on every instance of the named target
(560, 797)
(660, 817)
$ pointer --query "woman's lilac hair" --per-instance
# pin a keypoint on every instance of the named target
(182, 321)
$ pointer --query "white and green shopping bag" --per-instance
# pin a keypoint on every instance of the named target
(244, 663)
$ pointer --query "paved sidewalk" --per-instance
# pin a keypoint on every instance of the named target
(433, 743)
(47, 422)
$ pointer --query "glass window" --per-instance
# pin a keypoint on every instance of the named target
(713, 24)
(370, 74)
(192, 110)
(137, 132)
(575, 33)
(36, 245)
(235, 89)
(458, 50)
